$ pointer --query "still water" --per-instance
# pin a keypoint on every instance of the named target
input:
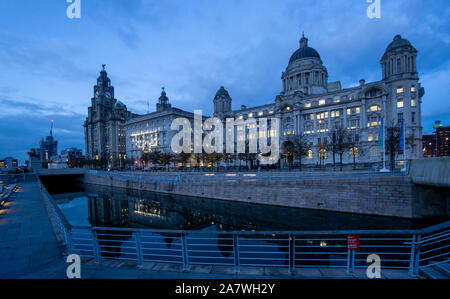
(115, 207)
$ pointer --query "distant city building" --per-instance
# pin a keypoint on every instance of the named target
(9, 163)
(71, 153)
(48, 150)
(104, 127)
(437, 144)
(152, 131)
(311, 107)
(430, 145)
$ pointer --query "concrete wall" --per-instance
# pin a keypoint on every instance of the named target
(431, 171)
(393, 196)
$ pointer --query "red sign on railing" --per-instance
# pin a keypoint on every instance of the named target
(353, 242)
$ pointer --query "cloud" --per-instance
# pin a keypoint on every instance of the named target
(48, 63)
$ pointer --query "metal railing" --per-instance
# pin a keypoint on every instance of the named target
(397, 249)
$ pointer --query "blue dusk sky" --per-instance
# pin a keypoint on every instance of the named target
(49, 63)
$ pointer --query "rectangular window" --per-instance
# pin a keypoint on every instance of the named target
(370, 138)
(400, 103)
(413, 88)
(413, 117)
(400, 90)
(322, 102)
(349, 111)
(308, 105)
(413, 103)
(358, 110)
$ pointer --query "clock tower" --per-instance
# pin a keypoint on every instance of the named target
(103, 128)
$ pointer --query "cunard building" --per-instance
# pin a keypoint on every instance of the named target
(311, 107)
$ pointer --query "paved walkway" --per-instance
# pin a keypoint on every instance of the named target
(29, 249)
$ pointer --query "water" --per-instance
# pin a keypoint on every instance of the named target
(115, 207)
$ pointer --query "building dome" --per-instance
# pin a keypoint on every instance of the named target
(304, 51)
(222, 92)
(398, 42)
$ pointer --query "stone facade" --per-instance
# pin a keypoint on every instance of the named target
(394, 196)
(311, 107)
(152, 131)
(104, 127)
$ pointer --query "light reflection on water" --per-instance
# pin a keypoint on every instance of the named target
(114, 207)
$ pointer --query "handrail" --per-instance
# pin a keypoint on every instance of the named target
(436, 227)
(308, 232)
(319, 249)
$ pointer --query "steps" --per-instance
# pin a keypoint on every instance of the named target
(439, 271)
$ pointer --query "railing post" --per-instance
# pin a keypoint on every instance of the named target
(139, 252)
(417, 257)
(412, 258)
(237, 267)
(184, 250)
(96, 247)
(350, 262)
(292, 254)
(69, 242)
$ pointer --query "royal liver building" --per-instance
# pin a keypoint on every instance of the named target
(311, 107)
(104, 131)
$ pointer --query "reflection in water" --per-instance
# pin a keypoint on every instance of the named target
(115, 207)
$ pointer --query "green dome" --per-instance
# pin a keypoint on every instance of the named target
(304, 51)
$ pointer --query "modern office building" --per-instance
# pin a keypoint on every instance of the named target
(437, 144)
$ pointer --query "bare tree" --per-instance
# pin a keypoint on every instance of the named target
(339, 144)
(392, 141)
(287, 151)
(301, 148)
(353, 147)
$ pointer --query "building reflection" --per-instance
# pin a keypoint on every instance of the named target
(113, 207)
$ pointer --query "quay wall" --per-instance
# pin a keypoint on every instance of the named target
(390, 195)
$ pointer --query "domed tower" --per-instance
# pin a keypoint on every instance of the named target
(163, 102)
(399, 60)
(305, 71)
(222, 103)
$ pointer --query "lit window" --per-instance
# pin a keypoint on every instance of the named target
(250, 115)
(311, 116)
(413, 103)
(260, 113)
(308, 105)
(413, 88)
(349, 111)
(310, 154)
(358, 110)
(399, 103)
(400, 90)
(370, 138)
(322, 102)
(374, 108)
